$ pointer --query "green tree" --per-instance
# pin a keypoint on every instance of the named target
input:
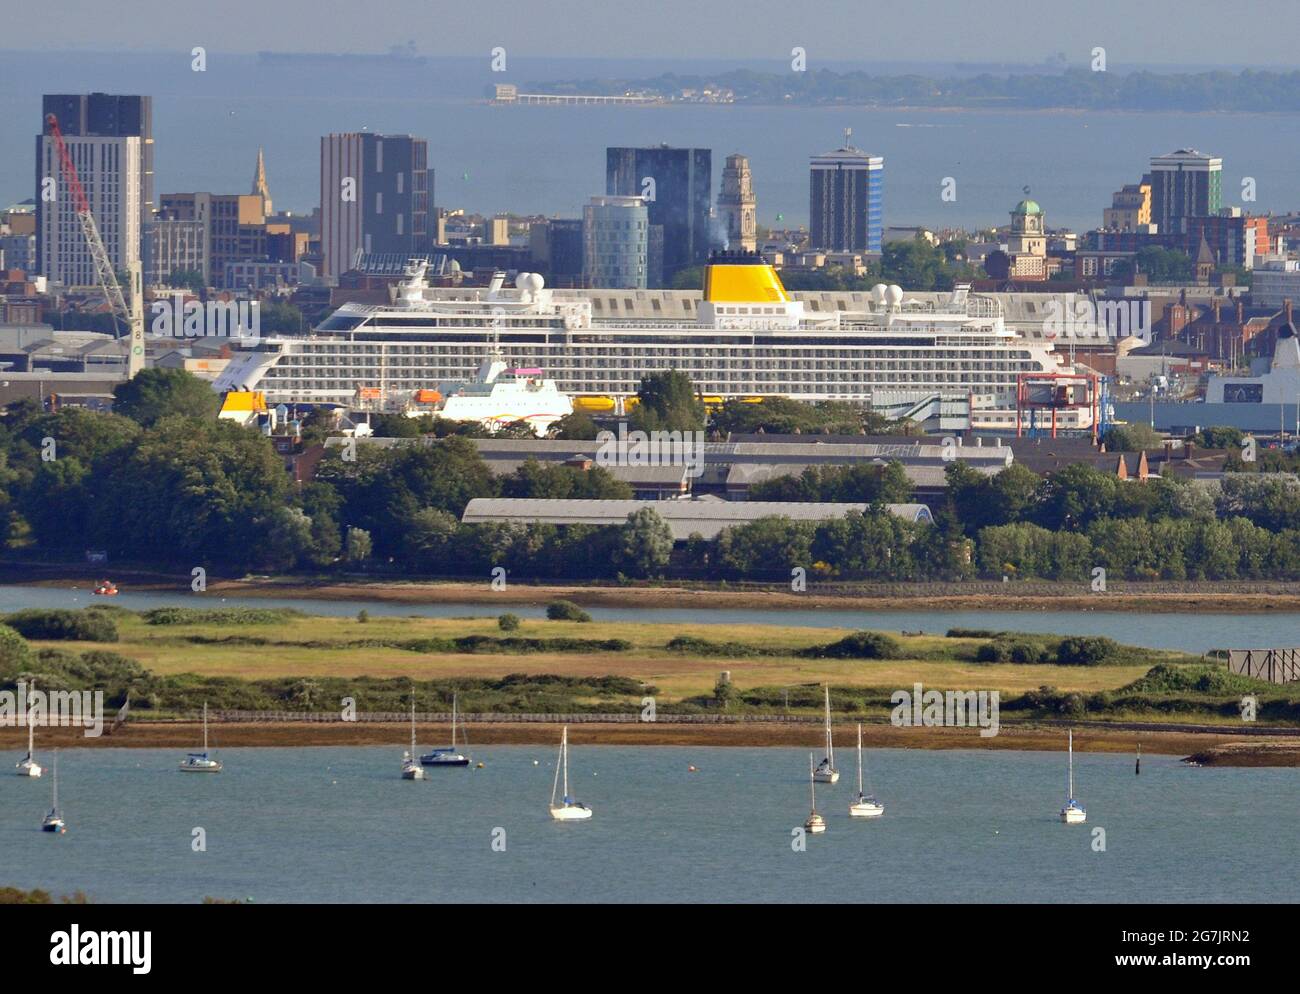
(197, 491)
(154, 394)
(289, 539)
(1133, 437)
(668, 403)
(577, 426)
(187, 279)
(645, 543)
(357, 547)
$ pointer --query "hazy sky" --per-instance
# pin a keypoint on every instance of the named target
(1247, 32)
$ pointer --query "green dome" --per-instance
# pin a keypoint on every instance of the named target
(1027, 207)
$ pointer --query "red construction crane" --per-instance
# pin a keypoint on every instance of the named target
(132, 316)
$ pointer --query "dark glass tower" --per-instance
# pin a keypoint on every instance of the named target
(682, 181)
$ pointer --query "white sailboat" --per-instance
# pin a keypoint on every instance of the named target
(826, 771)
(201, 762)
(568, 809)
(815, 824)
(864, 805)
(53, 822)
(448, 756)
(411, 769)
(1073, 812)
(28, 767)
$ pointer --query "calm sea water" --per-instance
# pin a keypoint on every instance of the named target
(209, 125)
(1184, 632)
(339, 825)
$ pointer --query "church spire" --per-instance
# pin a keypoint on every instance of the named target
(260, 189)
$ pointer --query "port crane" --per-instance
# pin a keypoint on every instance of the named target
(132, 316)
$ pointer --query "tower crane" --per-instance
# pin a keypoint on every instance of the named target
(133, 316)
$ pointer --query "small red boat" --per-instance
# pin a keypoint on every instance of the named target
(106, 588)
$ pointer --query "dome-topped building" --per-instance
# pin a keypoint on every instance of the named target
(1027, 243)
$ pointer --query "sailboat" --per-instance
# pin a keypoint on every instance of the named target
(568, 809)
(53, 822)
(28, 767)
(826, 771)
(815, 823)
(448, 756)
(864, 805)
(1073, 812)
(201, 762)
(411, 770)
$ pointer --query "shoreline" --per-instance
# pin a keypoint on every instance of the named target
(1259, 597)
(1206, 748)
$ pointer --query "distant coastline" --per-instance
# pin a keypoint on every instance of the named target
(1209, 748)
(1081, 89)
(1261, 597)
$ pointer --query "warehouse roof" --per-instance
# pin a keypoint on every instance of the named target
(706, 517)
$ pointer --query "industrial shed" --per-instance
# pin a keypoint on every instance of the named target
(706, 517)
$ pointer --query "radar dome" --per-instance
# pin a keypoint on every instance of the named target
(894, 294)
(521, 281)
(878, 293)
(535, 282)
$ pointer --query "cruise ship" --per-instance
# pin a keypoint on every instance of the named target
(745, 336)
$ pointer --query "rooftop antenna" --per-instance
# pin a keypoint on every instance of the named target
(848, 137)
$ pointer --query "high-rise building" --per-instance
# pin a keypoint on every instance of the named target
(1130, 207)
(1186, 183)
(1233, 237)
(556, 248)
(176, 245)
(375, 195)
(737, 205)
(616, 242)
(677, 186)
(234, 228)
(846, 199)
(110, 140)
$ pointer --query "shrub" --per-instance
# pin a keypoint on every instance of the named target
(1086, 650)
(220, 616)
(566, 611)
(1008, 650)
(56, 623)
(691, 645)
(508, 622)
(859, 645)
(969, 633)
(363, 616)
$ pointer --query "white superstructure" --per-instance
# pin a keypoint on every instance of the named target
(746, 337)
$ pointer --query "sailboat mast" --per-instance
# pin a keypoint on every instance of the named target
(412, 727)
(812, 782)
(453, 721)
(564, 751)
(555, 782)
(859, 760)
(205, 726)
(1071, 782)
(56, 779)
(830, 745)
